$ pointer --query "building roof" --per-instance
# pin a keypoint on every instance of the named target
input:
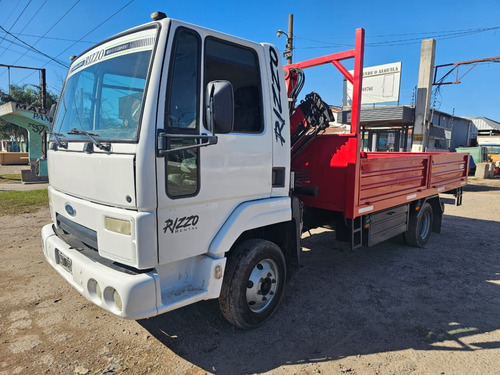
(484, 123)
(382, 115)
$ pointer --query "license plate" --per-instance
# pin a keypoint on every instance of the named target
(64, 261)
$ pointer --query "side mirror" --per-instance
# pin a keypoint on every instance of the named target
(220, 106)
(52, 110)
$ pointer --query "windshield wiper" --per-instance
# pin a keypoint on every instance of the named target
(59, 143)
(91, 136)
(78, 131)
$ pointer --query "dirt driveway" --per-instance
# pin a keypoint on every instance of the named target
(390, 309)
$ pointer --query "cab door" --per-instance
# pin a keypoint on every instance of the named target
(199, 187)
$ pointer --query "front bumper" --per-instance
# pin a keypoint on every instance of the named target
(98, 283)
(135, 295)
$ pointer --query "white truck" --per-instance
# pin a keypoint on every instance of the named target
(171, 182)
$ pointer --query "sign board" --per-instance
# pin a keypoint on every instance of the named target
(380, 84)
(488, 140)
(287, 54)
(418, 137)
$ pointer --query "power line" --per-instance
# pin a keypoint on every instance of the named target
(27, 23)
(431, 32)
(53, 25)
(21, 53)
(322, 41)
(14, 43)
(441, 37)
(17, 19)
(397, 42)
(91, 31)
(33, 48)
(54, 38)
(8, 17)
(95, 28)
(426, 33)
(59, 20)
(34, 15)
(20, 14)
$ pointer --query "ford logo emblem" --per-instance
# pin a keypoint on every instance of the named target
(70, 210)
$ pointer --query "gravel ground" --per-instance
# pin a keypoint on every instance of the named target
(389, 309)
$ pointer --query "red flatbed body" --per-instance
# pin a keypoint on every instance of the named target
(376, 180)
(359, 183)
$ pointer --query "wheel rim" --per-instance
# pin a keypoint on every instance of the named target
(425, 224)
(262, 285)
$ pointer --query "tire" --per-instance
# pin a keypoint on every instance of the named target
(253, 283)
(420, 226)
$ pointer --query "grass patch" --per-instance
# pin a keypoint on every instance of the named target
(22, 202)
(10, 178)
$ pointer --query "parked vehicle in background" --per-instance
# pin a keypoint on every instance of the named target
(492, 145)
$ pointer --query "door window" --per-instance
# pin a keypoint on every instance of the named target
(240, 66)
(182, 114)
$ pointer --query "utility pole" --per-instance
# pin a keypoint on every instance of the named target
(424, 93)
(289, 40)
(43, 82)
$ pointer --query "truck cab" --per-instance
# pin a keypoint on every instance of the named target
(170, 146)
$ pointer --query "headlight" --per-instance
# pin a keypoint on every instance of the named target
(117, 225)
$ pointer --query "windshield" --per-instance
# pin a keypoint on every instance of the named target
(494, 149)
(104, 91)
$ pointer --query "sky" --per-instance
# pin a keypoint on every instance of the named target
(394, 30)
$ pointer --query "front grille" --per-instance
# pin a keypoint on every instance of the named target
(85, 241)
(75, 234)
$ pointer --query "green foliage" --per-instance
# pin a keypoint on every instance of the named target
(22, 202)
(26, 94)
(8, 129)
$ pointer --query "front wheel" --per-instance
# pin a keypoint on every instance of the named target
(419, 226)
(253, 283)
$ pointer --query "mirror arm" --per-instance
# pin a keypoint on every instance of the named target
(164, 143)
(211, 110)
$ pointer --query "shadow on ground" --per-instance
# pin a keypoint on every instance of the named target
(386, 298)
(477, 188)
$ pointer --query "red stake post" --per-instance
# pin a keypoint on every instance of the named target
(350, 157)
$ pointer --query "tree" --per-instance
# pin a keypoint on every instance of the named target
(26, 94)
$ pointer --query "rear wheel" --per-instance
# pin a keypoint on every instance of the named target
(253, 283)
(420, 226)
